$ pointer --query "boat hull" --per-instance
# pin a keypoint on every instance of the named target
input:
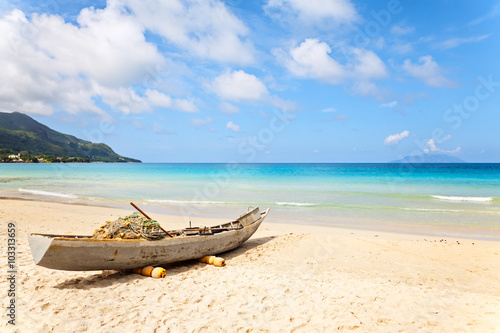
(86, 254)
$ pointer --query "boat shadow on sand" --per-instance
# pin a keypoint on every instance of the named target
(109, 278)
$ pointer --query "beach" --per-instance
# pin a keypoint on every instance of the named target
(286, 278)
(325, 166)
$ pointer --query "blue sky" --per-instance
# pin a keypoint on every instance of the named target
(259, 81)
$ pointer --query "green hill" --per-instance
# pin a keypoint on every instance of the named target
(19, 132)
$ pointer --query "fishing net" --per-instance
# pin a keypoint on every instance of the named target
(134, 226)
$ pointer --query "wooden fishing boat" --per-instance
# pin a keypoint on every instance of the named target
(85, 253)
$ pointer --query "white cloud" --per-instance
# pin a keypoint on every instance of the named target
(428, 71)
(204, 28)
(340, 117)
(239, 86)
(367, 65)
(232, 126)
(311, 59)
(157, 98)
(48, 63)
(430, 147)
(198, 122)
(282, 104)
(228, 108)
(492, 13)
(108, 46)
(394, 139)
(369, 89)
(158, 128)
(402, 47)
(315, 12)
(389, 104)
(329, 110)
(138, 125)
(454, 42)
(31, 80)
(124, 99)
(184, 105)
(400, 29)
(127, 100)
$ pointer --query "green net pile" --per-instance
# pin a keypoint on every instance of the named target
(134, 226)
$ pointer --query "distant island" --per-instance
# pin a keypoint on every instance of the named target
(24, 140)
(429, 158)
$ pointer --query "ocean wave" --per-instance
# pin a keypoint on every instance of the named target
(442, 210)
(295, 204)
(200, 202)
(435, 210)
(46, 193)
(457, 198)
(187, 202)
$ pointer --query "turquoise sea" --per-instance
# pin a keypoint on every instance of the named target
(435, 199)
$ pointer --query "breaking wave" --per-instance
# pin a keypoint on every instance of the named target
(51, 194)
(457, 198)
(187, 202)
(295, 204)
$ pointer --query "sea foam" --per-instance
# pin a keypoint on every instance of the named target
(187, 202)
(456, 198)
(294, 204)
(435, 210)
(51, 194)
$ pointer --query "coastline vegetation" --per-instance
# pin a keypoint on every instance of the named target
(24, 140)
(10, 156)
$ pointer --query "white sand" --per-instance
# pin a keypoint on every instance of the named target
(285, 278)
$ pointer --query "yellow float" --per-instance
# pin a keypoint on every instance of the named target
(155, 272)
(213, 260)
(146, 271)
(159, 273)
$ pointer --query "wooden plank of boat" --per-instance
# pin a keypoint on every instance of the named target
(84, 253)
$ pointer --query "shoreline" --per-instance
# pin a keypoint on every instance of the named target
(286, 277)
(368, 225)
(305, 228)
(422, 201)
